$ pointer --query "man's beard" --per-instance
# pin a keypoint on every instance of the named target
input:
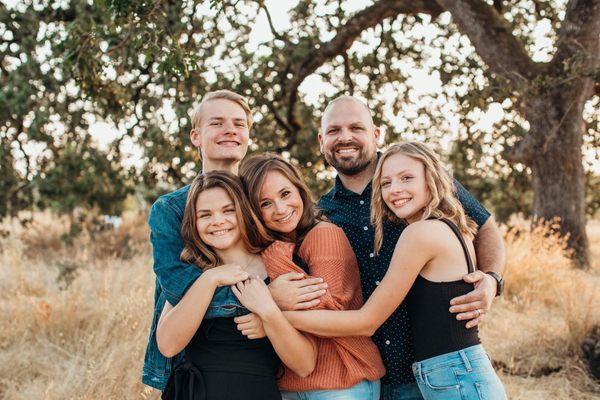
(349, 167)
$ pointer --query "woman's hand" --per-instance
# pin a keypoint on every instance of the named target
(255, 296)
(227, 274)
(250, 325)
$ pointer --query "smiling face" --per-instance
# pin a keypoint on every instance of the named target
(280, 203)
(222, 134)
(404, 186)
(348, 137)
(216, 219)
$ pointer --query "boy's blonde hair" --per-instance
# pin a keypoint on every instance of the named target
(443, 202)
(221, 94)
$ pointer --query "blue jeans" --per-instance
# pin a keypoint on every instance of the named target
(461, 375)
(409, 391)
(364, 390)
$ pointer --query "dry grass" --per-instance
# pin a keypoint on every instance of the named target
(75, 319)
(534, 332)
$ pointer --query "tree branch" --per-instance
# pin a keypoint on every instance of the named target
(276, 34)
(498, 5)
(347, 76)
(278, 118)
(361, 21)
(492, 37)
(579, 35)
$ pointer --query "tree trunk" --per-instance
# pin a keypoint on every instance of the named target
(557, 125)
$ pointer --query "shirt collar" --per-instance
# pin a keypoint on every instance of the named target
(340, 190)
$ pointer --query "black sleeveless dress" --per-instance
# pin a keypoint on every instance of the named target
(222, 364)
(435, 330)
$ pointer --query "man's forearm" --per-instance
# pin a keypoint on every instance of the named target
(489, 247)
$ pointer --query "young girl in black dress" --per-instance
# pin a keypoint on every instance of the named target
(223, 237)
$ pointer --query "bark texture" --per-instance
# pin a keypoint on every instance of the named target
(552, 96)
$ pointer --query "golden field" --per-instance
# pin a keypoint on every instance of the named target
(75, 317)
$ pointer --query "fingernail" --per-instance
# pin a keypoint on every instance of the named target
(452, 309)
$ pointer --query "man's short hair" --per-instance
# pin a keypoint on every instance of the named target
(221, 94)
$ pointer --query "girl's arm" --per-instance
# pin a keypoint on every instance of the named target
(294, 349)
(415, 248)
(177, 325)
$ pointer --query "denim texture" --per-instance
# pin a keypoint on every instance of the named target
(173, 278)
(364, 390)
(465, 374)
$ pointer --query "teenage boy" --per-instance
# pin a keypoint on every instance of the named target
(220, 131)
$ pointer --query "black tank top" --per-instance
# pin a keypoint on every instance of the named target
(217, 353)
(220, 352)
(436, 331)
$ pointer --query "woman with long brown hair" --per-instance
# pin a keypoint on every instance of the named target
(223, 237)
(432, 255)
(348, 368)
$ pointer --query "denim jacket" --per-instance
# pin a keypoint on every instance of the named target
(173, 278)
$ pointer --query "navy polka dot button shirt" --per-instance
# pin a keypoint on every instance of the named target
(351, 212)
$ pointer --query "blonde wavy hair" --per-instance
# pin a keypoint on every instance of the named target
(443, 202)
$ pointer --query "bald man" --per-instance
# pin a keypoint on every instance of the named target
(348, 140)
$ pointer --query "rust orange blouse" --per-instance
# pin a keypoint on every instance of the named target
(341, 362)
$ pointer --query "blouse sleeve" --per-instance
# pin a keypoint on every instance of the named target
(278, 259)
(328, 253)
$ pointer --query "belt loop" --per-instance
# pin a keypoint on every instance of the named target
(465, 360)
(419, 372)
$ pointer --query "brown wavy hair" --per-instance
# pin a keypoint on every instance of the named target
(253, 172)
(252, 231)
(442, 204)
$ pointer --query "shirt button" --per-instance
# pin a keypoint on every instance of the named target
(366, 228)
(387, 342)
(371, 255)
(377, 283)
(362, 202)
